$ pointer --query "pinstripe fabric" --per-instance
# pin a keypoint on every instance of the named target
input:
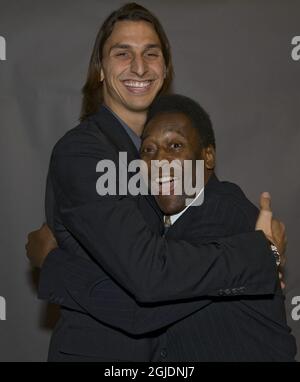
(231, 328)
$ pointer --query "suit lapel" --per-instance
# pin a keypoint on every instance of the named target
(111, 127)
(192, 216)
(115, 132)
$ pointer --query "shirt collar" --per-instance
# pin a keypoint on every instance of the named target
(132, 135)
(212, 185)
(177, 216)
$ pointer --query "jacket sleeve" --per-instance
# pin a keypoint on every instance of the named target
(149, 267)
(80, 285)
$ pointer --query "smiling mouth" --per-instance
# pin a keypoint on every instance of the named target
(137, 87)
(166, 185)
(165, 179)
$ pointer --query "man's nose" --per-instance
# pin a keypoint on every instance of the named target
(163, 155)
(139, 66)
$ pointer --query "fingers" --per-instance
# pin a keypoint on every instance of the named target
(282, 256)
(280, 238)
(265, 215)
(265, 201)
(282, 283)
(278, 230)
(284, 233)
(45, 228)
(276, 227)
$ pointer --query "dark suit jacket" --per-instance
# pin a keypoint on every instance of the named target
(231, 328)
(106, 238)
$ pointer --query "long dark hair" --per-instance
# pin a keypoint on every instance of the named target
(93, 89)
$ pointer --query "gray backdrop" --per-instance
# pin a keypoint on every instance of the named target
(234, 57)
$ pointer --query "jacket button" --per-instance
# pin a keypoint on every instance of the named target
(163, 353)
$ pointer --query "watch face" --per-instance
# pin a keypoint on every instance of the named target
(276, 254)
(277, 260)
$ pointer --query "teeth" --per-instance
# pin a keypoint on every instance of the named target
(136, 84)
(165, 179)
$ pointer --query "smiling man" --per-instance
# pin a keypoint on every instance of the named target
(228, 328)
(171, 137)
(119, 238)
(133, 71)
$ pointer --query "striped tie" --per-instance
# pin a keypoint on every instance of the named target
(167, 223)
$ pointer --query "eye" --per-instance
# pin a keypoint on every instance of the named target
(176, 145)
(122, 54)
(152, 54)
(147, 150)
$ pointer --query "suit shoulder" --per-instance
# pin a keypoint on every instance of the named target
(238, 206)
(231, 189)
(234, 192)
(84, 137)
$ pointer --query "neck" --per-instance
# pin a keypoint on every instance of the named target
(133, 119)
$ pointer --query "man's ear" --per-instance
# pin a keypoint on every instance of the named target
(101, 75)
(209, 156)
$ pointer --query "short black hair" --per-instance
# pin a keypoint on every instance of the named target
(176, 103)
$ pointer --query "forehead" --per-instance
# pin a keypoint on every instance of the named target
(169, 122)
(134, 33)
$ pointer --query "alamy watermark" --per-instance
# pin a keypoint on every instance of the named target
(2, 309)
(295, 313)
(157, 177)
(296, 50)
(2, 48)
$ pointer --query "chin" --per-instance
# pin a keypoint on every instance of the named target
(170, 205)
(140, 103)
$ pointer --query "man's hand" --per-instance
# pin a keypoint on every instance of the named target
(282, 283)
(264, 221)
(273, 229)
(280, 239)
(39, 244)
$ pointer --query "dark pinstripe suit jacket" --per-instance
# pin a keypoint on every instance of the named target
(231, 328)
(117, 302)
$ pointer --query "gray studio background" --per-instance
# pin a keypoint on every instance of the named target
(234, 57)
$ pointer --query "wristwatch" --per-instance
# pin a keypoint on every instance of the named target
(275, 253)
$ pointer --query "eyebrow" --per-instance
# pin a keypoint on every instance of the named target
(170, 129)
(127, 46)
